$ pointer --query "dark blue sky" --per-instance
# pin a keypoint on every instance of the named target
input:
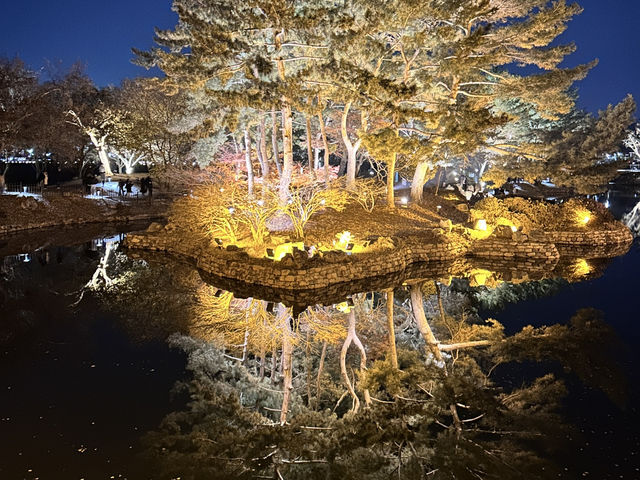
(101, 35)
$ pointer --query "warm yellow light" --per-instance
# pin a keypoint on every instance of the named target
(344, 307)
(281, 250)
(583, 216)
(481, 225)
(581, 268)
(344, 238)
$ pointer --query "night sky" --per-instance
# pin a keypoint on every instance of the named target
(101, 35)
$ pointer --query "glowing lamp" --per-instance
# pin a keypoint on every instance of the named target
(480, 225)
(514, 229)
(345, 307)
(404, 201)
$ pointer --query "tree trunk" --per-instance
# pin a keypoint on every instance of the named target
(421, 320)
(325, 144)
(274, 141)
(309, 147)
(320, 369)
(391, 173)
(417, 306)
(352, 149)
(392, 330)
(287, 145)
(262, 147)
(308, 366)
(419, 179)
(247, 159)
(104, 159)
(274, 365)
(287, 357)
(353, 337)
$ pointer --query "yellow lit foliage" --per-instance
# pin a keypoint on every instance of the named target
(367, 192)
(304, 202)
(227, 214)
(221, 317)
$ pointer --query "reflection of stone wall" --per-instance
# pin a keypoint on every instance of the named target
(337, 272)
(314, 273)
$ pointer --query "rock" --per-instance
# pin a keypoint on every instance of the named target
(519, 236)
(233, 248)
(29, 203)
(446, 225)
(288, 261)
(155, 227)
(334, 257)
(503, 231)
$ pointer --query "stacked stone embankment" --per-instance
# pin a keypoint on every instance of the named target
(298, 273)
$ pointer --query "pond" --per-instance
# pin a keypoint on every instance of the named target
(112, 367)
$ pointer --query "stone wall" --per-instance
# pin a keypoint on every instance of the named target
(495, 248)
(338, 268)
(592, 238)
(7, 229)
(312, 274)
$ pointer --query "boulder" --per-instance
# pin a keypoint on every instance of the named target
(29, 203)
(446, 225)
(503, 231)
(155, 227)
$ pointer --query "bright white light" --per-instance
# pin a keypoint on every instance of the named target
(231, 210)
(323, 201)
(404, 200)
(260, 202)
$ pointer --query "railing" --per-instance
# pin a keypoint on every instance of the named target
(75, 191)
(35, 189)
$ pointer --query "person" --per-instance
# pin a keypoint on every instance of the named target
(129, 186)
(143, 186)
(121, 184)
(150, 186)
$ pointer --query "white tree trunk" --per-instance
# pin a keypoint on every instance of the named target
(419, 179)
(287, 146)
(247, 159)
(287, 360)
(352, 149)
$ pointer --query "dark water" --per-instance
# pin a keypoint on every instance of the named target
(84, 375)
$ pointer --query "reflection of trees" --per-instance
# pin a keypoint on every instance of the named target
(152, 300)
(437, 414)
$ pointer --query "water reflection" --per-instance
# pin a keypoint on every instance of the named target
(399, 377)
(410, 384)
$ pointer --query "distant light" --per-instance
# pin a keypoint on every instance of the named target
(404, 200)
(222, 190)
(323, 201)
(514, 228)
(231, 210)
(439, 207)
(260, 202)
